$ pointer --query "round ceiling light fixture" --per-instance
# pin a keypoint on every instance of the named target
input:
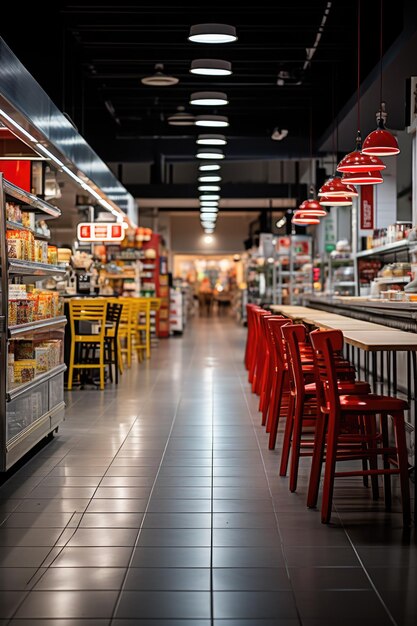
(335, 200)
(357, 162)
(181, 118)
(209, 98)
(363, 178)
(209, 167)
(209, 196)
(312, 208)
(211, 140)
(159, 79)
(212, 121)
(209, 179)
(209, 188)
(209, 203)
(380, 142)
(210, 153)
(212, 33)
(211, 67)
(209, 209)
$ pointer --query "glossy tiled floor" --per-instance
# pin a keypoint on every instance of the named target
(160, 505)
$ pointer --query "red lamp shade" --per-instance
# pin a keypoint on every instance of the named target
(303, 218)
(311, 208)
(380, 143)
(358, 162)
(335, 201)
(334, 187)
(363, 178)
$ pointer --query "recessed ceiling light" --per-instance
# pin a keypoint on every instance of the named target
(209, 209)
(159, 79)
(212, 121)
(209, 204)
(209, 167)
(212, 33)
(208, 217)
(210, 153)
(209, 179)
(209, 98)
(211, 140)
(211, 67)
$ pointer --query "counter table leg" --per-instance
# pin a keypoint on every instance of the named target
(374, 373)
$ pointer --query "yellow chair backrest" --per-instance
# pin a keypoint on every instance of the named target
(91, 310)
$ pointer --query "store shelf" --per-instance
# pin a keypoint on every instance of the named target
(397, 246)
(47, 324)
(12, 394)
(31, 200)
(344, 283)
(391, 280)
(18, 226)
(18, 267)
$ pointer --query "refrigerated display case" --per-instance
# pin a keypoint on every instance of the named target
(32, 328)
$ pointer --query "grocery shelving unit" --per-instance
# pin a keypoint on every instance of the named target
(340, 285)
(399, 251)
(294, 280)
(29, 409)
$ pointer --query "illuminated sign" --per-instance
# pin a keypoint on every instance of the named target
(100, 231)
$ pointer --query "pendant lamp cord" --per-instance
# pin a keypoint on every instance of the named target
(380, 56)
(359, 71)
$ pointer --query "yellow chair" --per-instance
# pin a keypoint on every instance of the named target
(142, 334)
(93, 313)
(126, 330)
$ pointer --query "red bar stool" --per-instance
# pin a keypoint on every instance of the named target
(250, 308)
(301, 416)
(255, 362)
(336, 431)
(267, 369)
(275, 384)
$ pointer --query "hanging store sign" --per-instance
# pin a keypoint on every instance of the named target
(367, 207)
(100, 231)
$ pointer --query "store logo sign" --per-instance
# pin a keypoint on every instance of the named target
(100, 231)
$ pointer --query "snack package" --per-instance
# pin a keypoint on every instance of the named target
(24, 371)
(24, 349)
(42, 359)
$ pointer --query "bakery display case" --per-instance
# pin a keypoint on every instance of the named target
(32, 325)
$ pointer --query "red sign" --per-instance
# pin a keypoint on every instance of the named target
(100, 231)
(367, 207)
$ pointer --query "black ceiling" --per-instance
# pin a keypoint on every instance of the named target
(92, 60)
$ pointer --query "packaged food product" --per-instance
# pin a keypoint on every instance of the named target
(42, 359)
(24, 371)
(22, 312)
(28, 219)
(13, 312)
(52, 255)
(24, 349)
(14, 248)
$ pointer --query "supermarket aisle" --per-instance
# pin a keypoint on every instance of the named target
(161, 505)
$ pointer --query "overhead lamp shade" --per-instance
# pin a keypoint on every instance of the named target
(358, 162)
(363, 178)
(159, 79)
(209, 196)
(306, 215)
(212, 121)
(181, 118)
(211, 67)
(209, 188)
(380, 142)
(211, 140)
(209, 98)
(209, 179)
(209, 209)
(335, 187)
(208, 217)
(212, 33)
(209, 203)
(335, 201)
(300, 219)
(210, 153)
(209, 167)
(312, 208)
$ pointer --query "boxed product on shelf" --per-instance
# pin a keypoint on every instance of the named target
(28, 219)
(24, 371)
(13, 212)
(20, 244)
(24, 349)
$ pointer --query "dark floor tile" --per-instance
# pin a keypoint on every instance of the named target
(22, 557)
(9, 602)
(103, 537)
(177, 520)
(254, 604)
(314, 536)
(168, 579)
(342, 578)
(388, 556)
(246, 537)
(164, 604)
(198, 537)
(244, 520)
(116, 505)
(250, 579)
(111, 520)
(242, 506)
(179, 506)
(108, 556)
(49, 506)
(29, 536)
(37, 520)
(322, 605)
(315, 556)
(67, 604)
(81, 579)
(248, 557)
(162, 622)
(171, 557)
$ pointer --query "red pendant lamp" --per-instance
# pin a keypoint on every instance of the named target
(380, 142)
(334, 187)
(362, 178)
(360, 168)
(335, 201)
(301, 219)
(312, 208)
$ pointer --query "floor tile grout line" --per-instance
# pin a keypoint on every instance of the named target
(272, 499)
(212, 513)
(122, 586)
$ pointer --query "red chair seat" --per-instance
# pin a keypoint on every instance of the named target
(372, 403)
(358, 387)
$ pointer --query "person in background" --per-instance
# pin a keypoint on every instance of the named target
(205, 297)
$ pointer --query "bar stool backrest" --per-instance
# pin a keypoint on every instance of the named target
(294, 335)
(113, 314)
(91, 310)
(327, 344)
(280, 352)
